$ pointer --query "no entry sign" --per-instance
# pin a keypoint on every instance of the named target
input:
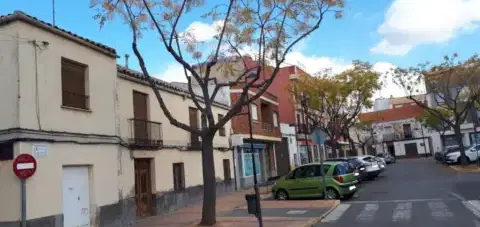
(24, 166)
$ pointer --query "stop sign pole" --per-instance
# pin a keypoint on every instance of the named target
(24, 167)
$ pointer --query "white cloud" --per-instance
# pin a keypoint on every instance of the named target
(203, 32)
(314, 64)
(173, 72)
(409, 23)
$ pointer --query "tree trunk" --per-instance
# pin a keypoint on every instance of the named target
(363, 149)
(459, 138)
(209, 194)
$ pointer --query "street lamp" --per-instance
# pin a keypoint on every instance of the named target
(258, 210)
(303, 102)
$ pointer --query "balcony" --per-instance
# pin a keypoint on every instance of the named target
(145, 134)
(259, 128)
(303, 129)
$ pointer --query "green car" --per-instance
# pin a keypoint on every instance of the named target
(306, 181)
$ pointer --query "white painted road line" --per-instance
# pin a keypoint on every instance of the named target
(439, 210)
(399, 201)
(293, 212)
(458, 196)
(336, 213)
(403, 212)
(368, 212)
(473, 206)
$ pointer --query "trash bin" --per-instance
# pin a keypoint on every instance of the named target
(251, 203)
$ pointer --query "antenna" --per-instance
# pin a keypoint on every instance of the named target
(53, 12)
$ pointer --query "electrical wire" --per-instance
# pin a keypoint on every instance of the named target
(37, 96)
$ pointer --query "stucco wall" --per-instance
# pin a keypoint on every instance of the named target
(100, 86)
(9, 65)
(177, 105)
(192, 160)
(111, 175)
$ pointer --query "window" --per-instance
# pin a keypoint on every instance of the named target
(253, 111)
(6, 151)
(226, 169)
(407, 130)
(74, 84)
(340, 169)
(178, 176)
(318, 170)
(221, 131)
(275, 119)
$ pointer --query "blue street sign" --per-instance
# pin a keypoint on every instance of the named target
(318, 136)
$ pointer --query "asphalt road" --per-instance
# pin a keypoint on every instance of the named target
(414, 192)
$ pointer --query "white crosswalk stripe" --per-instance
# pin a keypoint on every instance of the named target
(337, 213)
(403, 212)
(368, 212)
(439, 210)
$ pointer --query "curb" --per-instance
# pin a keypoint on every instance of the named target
(317, 220)
(461, 170)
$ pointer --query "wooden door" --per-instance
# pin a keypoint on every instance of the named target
(193, 114)
(140, 116)
(143, 188)
(283, 157)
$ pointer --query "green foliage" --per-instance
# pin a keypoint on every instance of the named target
(432, 121)
(339, 98)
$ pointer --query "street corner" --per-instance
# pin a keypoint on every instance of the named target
(283, 213)
(473, 168)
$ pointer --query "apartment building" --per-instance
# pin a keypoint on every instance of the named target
(398, 131)
(106, 154)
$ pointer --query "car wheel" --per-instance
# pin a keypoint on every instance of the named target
(331, 193)
(281, 194)
(465, 160)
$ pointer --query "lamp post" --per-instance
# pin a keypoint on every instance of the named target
(255, 180)
(303, 102)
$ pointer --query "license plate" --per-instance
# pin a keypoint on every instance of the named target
(356, 174)
(375, 166)
(352, 187)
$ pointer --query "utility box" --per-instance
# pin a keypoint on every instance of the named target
(251, 203)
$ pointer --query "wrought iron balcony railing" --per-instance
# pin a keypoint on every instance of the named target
(145, 134)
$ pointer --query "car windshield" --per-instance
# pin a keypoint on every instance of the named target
(381, 155)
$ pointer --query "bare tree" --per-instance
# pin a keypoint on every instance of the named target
(453, 88)
(270, 28)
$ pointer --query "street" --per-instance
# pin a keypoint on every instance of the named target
(415, 192)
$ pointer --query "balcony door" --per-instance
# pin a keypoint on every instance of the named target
(140, 116)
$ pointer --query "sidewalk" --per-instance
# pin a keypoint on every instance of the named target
(231, 211)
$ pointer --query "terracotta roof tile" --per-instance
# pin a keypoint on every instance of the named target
(410, 111)
(21, 16)
(161, 84)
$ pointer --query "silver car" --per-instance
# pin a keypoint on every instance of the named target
(387, 157)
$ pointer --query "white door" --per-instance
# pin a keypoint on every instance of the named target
(76, 212)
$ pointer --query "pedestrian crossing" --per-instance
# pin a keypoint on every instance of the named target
(404, 211)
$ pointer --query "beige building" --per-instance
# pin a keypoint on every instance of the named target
(106, 154)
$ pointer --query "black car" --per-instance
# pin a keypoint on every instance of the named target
(355, 166)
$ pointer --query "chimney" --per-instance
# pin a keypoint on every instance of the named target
(126, 60)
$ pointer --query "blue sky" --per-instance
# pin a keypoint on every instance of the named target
(383, 32)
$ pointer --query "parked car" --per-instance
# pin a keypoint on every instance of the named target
(440, 156)
(355, 165)
(388, 157)
(471, 152)
(306, 182)
(371, 165)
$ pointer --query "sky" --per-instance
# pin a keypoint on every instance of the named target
(386, 33)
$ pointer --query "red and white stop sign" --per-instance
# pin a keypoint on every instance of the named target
(24, 166)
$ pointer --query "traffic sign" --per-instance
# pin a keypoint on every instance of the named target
(24, 166)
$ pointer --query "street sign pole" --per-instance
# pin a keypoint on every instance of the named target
(24, 166)
(24, 202)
